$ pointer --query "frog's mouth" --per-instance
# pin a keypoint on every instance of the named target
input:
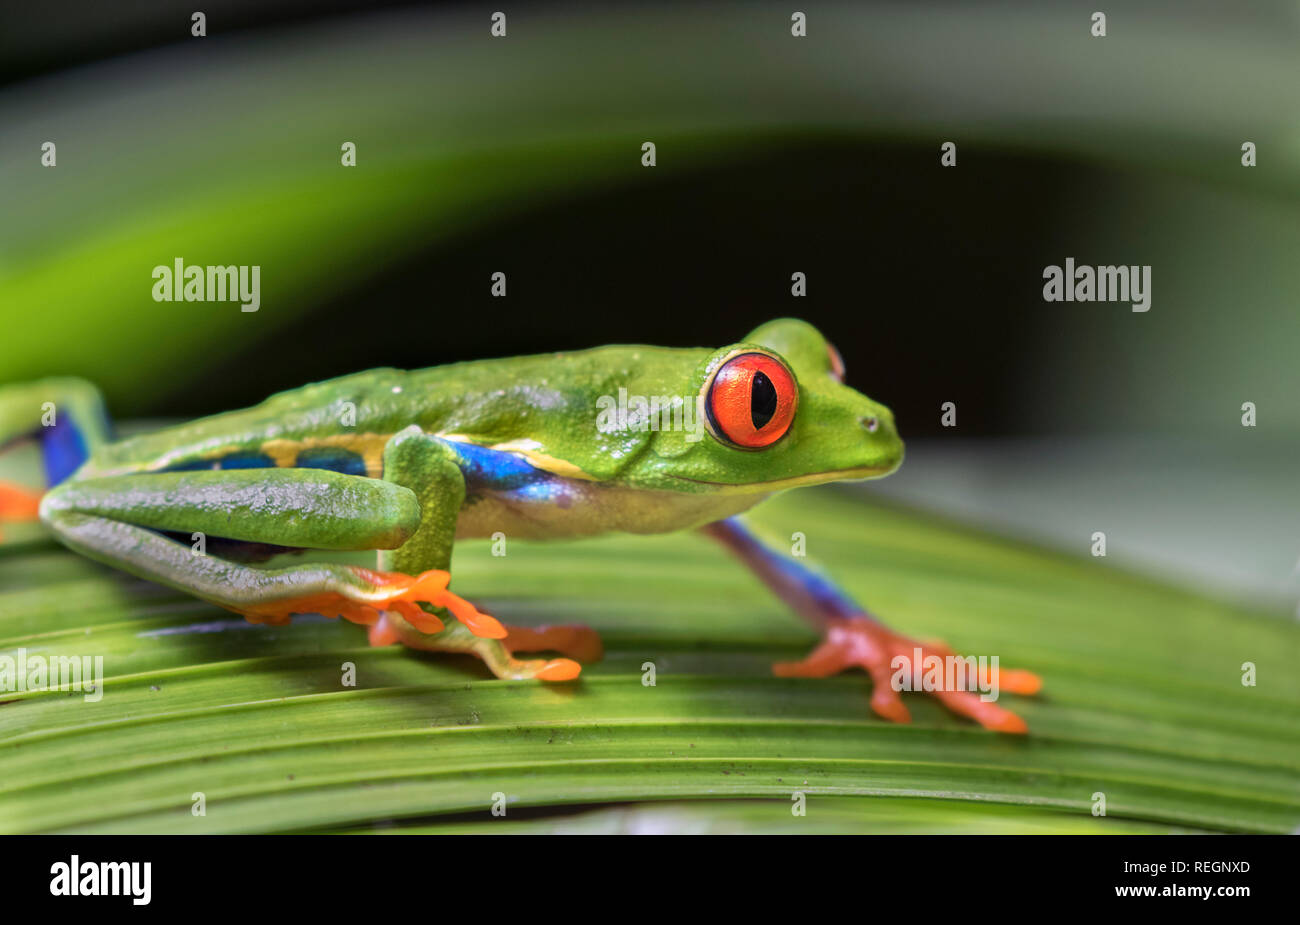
(812, 478)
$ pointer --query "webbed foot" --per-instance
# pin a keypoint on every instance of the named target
(371, 592)
(862, 642)
(580, 642)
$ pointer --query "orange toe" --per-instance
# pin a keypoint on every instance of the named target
(986, 713)
(382, 633)
(578, 642)
(888, 705)
(559, 669)
(417, 616)
(425, 586)
(361, 614)
(1018, 681)
(480, 624)
(1011, 723)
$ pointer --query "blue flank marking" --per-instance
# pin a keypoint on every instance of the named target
(495, 470)
(232, 461)
(191, 466)
(63, 449)
(246, 461)
(332, 458)
(484, 469)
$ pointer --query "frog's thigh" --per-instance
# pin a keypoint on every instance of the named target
(47, 404)
(306, 508)
(66, 417)
(113, 520)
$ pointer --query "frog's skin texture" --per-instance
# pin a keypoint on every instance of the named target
(404, 463)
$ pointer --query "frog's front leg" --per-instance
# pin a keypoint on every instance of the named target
(853, 638)
(430, 469)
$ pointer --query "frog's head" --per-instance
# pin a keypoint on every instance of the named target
(774, 413)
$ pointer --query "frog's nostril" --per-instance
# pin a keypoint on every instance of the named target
(871, 424)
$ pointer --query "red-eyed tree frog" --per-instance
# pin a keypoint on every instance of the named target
(621, 438)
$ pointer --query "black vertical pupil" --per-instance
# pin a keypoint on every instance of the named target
(762, 400)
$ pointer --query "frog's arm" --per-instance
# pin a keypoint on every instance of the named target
(410, 514)
(853, 638)
(432, 470)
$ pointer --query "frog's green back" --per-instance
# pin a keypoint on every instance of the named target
(565, 413)
(546, 399)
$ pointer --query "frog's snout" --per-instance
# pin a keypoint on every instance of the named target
(882, 436)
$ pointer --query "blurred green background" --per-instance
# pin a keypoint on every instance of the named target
(775, 154)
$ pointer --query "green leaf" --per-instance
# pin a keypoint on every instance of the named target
(1143, 699)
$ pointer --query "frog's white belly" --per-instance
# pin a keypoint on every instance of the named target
(559, 508)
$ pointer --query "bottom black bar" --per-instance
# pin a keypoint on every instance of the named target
(334, 874)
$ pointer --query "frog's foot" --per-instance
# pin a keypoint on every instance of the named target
(366, 594)
(498, 654)
(581, 643)
(18, 503)
(864, 643)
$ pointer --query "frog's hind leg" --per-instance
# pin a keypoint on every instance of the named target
(117, 520)
(574, 640)
(495, 654)
(854, 639)
(66, 418)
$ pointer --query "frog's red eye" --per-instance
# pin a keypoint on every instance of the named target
(751, 400)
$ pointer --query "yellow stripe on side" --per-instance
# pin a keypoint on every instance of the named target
(528, 449)
(370, 447)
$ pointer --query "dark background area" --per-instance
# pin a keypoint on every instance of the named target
(706, 253)
(927, 279)
(844, 212)
(696, 258)
(44, 36)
